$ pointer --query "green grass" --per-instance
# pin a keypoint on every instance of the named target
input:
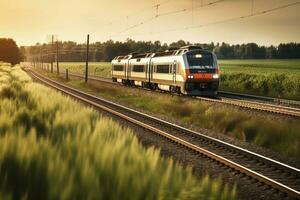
(281, 135)
(102, 69)
(49, 152)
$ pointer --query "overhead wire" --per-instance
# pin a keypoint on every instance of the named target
(252, 14)
(138, 12)
(167, 14)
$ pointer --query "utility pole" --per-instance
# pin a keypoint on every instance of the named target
(40, 57)
(42, 60)
(52, 53)
(57, 64)
(87, 58)
(34, 60)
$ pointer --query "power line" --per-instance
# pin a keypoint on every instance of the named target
(226, 20)
(190, 8)
(138, 12)
(167, 14)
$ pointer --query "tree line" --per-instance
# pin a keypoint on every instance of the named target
(9, 51)
(106, 51)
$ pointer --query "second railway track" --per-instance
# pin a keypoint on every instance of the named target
(242, 103)
(282, 178)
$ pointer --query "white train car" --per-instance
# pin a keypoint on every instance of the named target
(120, 68)
(188, 70)
(138, 71)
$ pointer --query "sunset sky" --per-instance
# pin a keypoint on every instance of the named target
(31, 21)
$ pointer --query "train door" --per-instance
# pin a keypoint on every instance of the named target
(146, 71)
(174, 71)
(128, 71)
(125, 71)
(151, 71)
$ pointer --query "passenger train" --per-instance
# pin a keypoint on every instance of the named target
(188, 70)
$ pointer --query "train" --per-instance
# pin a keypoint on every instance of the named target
(188, 70)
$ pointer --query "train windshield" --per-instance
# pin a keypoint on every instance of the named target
(200, 60)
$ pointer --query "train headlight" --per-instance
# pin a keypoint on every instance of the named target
(216, 76)
(190, 76)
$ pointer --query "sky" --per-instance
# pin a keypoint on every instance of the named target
(32, 21)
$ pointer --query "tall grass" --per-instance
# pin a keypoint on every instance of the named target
(53, 148)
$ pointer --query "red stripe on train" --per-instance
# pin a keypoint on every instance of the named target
(199, 75)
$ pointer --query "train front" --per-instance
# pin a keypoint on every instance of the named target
(202, 73)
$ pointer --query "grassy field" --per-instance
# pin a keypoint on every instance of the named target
(102, 69)
(265, 66)
(274, 78)
(281, 135)
(47, 152)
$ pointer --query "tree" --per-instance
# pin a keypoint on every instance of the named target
(9, 51)
(289, 50)
(178, 44)
(225, 51)
(271, 52)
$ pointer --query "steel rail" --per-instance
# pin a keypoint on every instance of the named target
(261, 98)
(271, 108)
(85, 97)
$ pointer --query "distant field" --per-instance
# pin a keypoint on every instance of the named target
(275, 78)
(260, 66)
(102, 69)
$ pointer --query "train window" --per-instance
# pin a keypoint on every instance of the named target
(138, 68)
(163, 68)
(179, 52)
(200, 59)
(118, 68)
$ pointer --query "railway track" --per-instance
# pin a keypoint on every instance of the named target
(279, 177)
(264, 107)
(267, 107)
(262, 99)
